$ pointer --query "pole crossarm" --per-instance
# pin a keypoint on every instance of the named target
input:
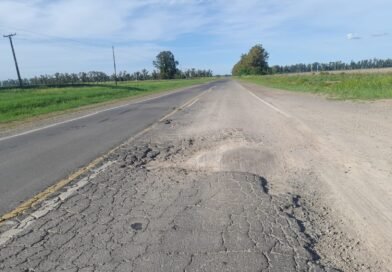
(9, 35)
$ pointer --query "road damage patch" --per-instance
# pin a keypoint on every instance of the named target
(147, 212)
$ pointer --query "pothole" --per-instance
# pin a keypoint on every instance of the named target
(240, 156)
(137, 226)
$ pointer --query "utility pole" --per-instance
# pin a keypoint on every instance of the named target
(16, 62)
(114, 63)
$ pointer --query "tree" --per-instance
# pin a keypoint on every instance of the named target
(155, 75)
(145, 75)
(166, 64)
(253, 63)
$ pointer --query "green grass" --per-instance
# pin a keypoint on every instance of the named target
(20, 104)
(338, 86)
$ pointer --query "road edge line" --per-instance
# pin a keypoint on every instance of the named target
(265, 102)
(100, 111)
(40, 197)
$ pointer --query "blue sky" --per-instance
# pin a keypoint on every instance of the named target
(76, 35)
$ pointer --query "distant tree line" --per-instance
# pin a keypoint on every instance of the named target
(165, 64)
(99, 77)
(255, 62)
(332, 66)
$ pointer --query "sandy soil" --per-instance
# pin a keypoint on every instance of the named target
(243, 179)
(347, 150)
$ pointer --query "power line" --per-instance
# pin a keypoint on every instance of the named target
(9, 36)
(33, 36)
(54, 38)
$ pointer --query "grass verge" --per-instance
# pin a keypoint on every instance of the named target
(20, 104)
(338, 86)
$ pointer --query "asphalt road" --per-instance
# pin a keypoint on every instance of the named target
(30, 163)
(181, 198)
(243, 178)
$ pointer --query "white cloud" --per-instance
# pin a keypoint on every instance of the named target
(353, 36)
(377, 35)
(146, 26)
(120, 20)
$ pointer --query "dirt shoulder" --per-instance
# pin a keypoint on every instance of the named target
(347, 147)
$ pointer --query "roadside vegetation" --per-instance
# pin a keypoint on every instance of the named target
(63, 91)
(255, 62)
(165, 64)
(19, 104)
(339, 86)
(333, 66)
(364, 84)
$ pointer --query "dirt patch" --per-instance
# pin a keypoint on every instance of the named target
(153, 209)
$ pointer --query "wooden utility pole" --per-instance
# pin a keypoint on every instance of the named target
(13, 53)
(114, 63)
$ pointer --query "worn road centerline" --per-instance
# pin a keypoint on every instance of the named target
(191, 104)
(88, 115)
(40, 197)
(191, 101)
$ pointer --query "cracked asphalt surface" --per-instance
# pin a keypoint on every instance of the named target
(131, 218)
(54, 153)
(226, 184)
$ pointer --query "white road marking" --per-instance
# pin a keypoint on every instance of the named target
(51, 204)
(84, 116)
(268, 104)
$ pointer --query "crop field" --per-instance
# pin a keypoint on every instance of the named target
(19, 104)
(357, 86)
